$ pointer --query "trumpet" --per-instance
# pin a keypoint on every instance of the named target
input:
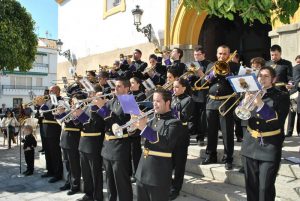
(70, 113)
(94, 98)
(118, 130)
(243, 111)
(220, 68)
(125, 57)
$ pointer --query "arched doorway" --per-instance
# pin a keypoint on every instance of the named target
(249, 41)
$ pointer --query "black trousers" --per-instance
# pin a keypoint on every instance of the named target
(42, 134)
(238, 131)
(291, 122)
(260, 177)
(199, 121)
(227, 125)
(151, 193)
(91, 168)
(136, 152)
(179, 157)
(72, 163)
(29, 159)
(118, 180)
(53, 157)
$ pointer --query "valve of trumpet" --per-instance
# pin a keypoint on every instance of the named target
(117, 130)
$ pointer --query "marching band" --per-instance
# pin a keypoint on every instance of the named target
(94, 129)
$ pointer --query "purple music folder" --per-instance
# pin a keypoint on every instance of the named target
(129, 104)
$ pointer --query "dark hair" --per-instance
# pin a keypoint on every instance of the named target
(199, 49)
(46, 92)
(225, 47)
(97, 88)
(166, 95)
(103, 74)
(258, 60)
(79, 96)
(297, 57)
(179, 51)
(275, 48)
(139, 81)
(9, 111)
(139, 51)
(153, 56)
(124, 81)
(183, 82)
(270, 69)
(173, 71)
(92, 72)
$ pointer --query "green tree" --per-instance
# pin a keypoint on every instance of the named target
(18, 42)
(249, 10)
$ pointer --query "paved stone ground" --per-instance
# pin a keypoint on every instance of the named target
(15, 187)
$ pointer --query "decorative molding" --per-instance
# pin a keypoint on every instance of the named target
(119, 8)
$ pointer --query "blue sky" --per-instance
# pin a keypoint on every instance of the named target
(45, 14)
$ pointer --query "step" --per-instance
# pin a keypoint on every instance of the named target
(213, 190)
(286, 187)
(291, 148)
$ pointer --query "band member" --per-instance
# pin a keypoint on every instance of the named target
(116, 151)
(138, 66)
(176, 56)
(69, 143)
(262, 145)
(103, 77)
(199, 97)
(282, 67)
(291, 119)
(113, 73)
(172, 75)
(156, 72)
(154, 172)
(90, 146)
(91, 76)
(183, 109)
(135, 138)
(52, 132)
(219, 91)
(257, 62)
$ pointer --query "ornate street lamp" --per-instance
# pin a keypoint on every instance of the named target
(137, 15)
(66, 54)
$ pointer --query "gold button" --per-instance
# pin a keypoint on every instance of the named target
(257, 122)
(155, 125)
(257, 115)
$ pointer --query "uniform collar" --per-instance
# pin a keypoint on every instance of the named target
(164, 116)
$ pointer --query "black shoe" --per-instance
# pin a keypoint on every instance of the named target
(201, 143)
(42, 150)
(242, 170)
(289, 135)
(85, 198)
(28, 173)
(72, 192)
(173, 194)
(228, 166)
(133, 179)
(209, 159)
(54, 179)
(25, 172)
(65, 187)
(46, 175)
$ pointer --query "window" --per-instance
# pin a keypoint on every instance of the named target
(17, 102)
(111, 7)
(39, 81)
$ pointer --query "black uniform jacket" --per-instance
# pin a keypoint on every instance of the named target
(269, 119)
(178, 66)
(118, 148)
(92, 144)
(51, 127)
(183, 109)
(284, 70)
(219, 86)
(157, 170)
(296, 77)
(70, 135)
(29, 142)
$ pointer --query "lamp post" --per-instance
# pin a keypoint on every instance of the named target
(66, 54)
(137, 15)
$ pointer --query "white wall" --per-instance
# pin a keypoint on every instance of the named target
(83, 30)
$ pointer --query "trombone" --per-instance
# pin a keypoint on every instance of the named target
(222, 112)
(220, 68)
(158, 51)
(94, 98)
(118, 130)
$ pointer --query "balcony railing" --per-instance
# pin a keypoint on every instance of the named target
(40, 65)
(23, 87)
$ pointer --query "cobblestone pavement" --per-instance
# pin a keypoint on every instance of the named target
(16, 187)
